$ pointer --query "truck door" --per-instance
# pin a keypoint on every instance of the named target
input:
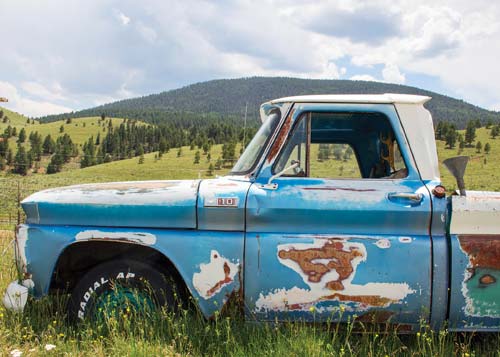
(344, 233)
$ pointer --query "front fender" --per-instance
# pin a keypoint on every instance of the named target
(209, 262)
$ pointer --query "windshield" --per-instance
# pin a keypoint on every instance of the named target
(255, 148)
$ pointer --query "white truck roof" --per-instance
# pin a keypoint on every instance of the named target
(415, 119)
(387, 98)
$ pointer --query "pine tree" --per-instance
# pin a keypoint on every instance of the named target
(470, 133)
(22, 136)
(479, 147)
(487, 148)
(197, 157)
(210, 170)
(9, 157)
(451, 137)
(337, 152)
(495, 131)
(88, 158)
(21, 161)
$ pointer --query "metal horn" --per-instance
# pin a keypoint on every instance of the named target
(456, 166)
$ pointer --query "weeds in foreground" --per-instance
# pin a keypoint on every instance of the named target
(188, 333)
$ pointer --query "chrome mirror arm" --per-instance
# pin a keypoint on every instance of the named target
(273, 186)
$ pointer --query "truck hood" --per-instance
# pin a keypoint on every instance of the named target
(154, 204)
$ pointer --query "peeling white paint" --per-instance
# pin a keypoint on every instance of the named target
(383, 243)
(136, 237)
(476, 213)
(353, 193)
(121, 193)
(214, 275)
(20, 246)
(282, 299)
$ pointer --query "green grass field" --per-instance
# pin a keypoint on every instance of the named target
(43, 323)
(15, 119)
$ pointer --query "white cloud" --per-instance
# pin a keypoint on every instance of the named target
(26, 106)
(167, 44)
(363, 77)
(42, 92)
(124, 19)
(148, 33)
(495, 107)
(391, 74)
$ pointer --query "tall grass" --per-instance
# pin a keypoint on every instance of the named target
(188, 333)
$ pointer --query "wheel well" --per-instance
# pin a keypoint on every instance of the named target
(79, 257)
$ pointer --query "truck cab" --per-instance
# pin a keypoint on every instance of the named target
(334, 212)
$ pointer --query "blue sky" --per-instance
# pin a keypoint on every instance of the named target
(60, 55)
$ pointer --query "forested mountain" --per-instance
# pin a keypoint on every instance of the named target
(225, 99)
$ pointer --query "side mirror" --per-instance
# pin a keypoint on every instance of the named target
(273, 186)
(456, 166)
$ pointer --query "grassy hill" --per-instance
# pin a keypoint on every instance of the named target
(14, 119)
(228, 98)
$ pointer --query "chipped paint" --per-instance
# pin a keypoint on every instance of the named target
(383, 243)
(135, 237)
(328, 268)
(329, 188)
(479, 286)
(147, 204)
(329, 194)
(405, 239)
(476, 213)
(215, 275)
(20, 247)
(121, 193)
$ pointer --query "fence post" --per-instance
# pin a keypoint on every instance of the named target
(18, 202)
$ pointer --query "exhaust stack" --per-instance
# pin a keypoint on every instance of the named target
(456, 166)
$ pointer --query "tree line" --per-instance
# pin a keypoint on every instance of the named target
(118, 142)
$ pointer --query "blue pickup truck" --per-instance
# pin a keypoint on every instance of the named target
(336, 205)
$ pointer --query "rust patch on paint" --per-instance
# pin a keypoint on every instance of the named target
(487, 279)
(280, 139)
(483, 250)
(234, 301)
(227, 279)
(375, 316)
(369, 300)
(327, 188)
(340, 261)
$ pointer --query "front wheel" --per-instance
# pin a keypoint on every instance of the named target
(120, 287)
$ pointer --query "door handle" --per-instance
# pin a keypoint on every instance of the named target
(403, 197)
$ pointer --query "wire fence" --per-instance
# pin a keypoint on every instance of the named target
(12, 192)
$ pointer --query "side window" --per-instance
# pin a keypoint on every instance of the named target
(333, 160)
(343, 145)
